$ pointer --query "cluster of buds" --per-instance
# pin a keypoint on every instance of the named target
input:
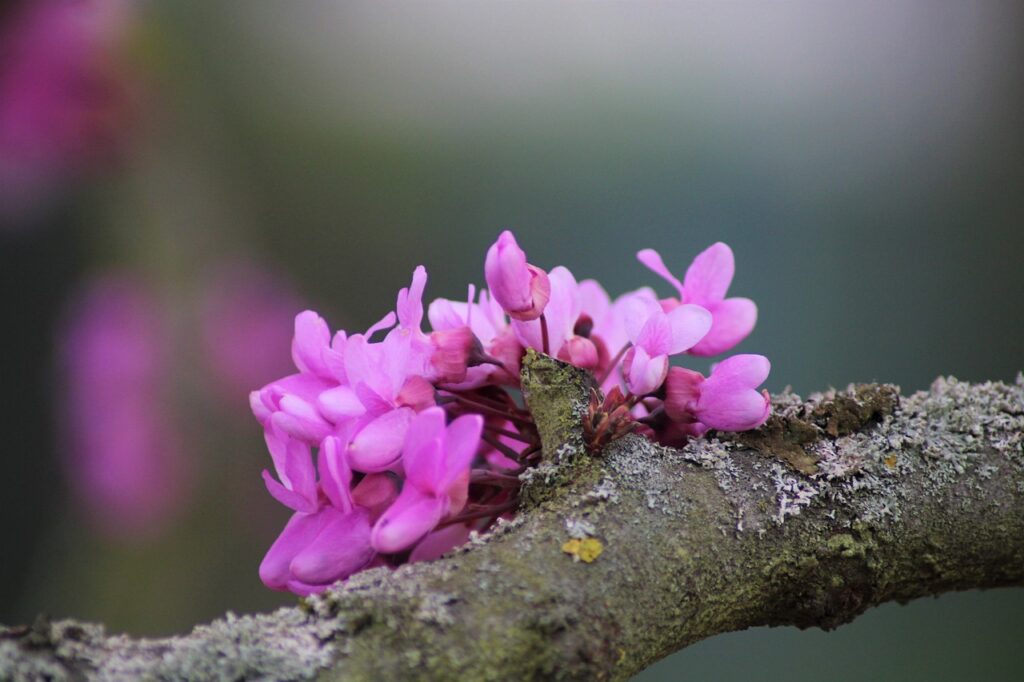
(393, 445)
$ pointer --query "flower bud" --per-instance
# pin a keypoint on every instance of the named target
(521, 289)
(451, 356)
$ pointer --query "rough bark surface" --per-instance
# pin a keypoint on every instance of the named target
(839, 503)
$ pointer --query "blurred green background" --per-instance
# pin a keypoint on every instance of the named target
(865, 161)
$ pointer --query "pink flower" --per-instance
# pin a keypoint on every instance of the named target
(322, 543)
(440, 542)
(706, 283)
(382, 408)
(436, 459)
(607, 324)
(125, 458)
(560, 317)
(656, 335)
(62, 101)
(728, 400)
(293, 463)
(521, 289)
(490, 328)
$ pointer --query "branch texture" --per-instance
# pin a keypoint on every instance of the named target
(839, 503)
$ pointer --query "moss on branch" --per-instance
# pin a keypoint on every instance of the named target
(844, 501)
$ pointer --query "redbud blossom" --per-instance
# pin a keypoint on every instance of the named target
(728, 400)
(706, 283)
(435, 458)
(490, 328)
(656, 335)
(420, 438)
(521, 289)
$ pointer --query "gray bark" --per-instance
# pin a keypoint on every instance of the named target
(839, 503)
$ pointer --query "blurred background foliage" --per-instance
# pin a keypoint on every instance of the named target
(865, 161)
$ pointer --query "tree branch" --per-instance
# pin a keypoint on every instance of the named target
(838, 504)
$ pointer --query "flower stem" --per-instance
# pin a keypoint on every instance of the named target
(510, 434)
(472, 513)
(501, 447)
(494, 478)
(544, 334)
(611, 365)
(483, 407)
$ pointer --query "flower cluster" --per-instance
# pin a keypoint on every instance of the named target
(392, 445)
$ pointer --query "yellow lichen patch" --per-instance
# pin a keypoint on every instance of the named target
(583, 550)
(890, 462)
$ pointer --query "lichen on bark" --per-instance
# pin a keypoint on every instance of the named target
(907, 498)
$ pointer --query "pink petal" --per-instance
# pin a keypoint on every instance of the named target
(334, 357)
(287, 497)
(612, 330)
(634, 310)
(462, 441)
(383, 323)
(304, 589)
(450, 356)
(560, 315)
(292, 462)
(311, 336)
(300, 420)
(652, 259)
(428, 425)
(746, 370)
(277, 445)
(298, 467)
(359, 367)
(375, 493)
(540, 292)
(690, 323)
(411, 517)
(579, 351)
(594, 300)
(297, 534)
(458, 493)
(334, 361)
(335, 474)
(682, 391)
(732, 408)
(340, 403)
(440, 542)
(447, 314)
(260, 405)
(734, 319)
(422, 452)
(508, 276)
(341, 548)
(643, 373)
(379, 444)
(410, 301)
(305, 386)
(417, 393)
(375, 404)
(655, 336)
(709, 276)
